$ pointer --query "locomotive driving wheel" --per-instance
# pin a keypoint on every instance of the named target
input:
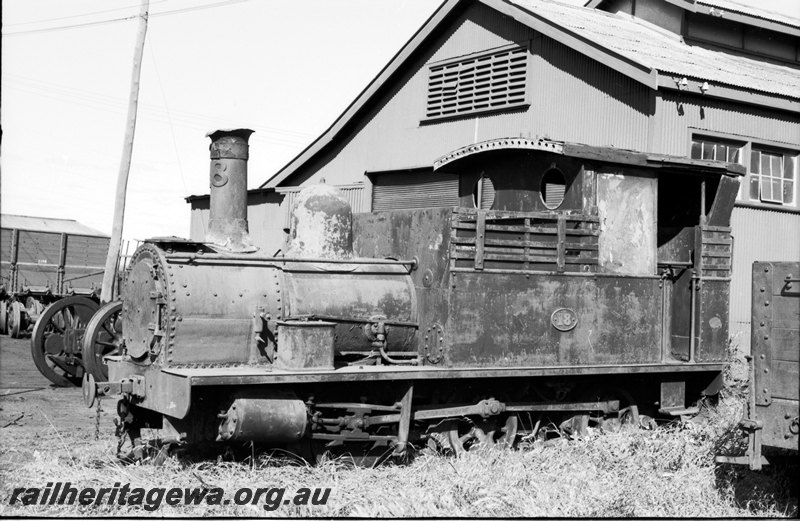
(463, 436)
(57, 338)
(103, 337)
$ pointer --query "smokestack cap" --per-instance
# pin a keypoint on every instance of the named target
(229, 143)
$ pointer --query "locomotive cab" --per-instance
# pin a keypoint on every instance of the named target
(576, 256)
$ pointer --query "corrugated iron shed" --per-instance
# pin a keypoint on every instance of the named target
(753, 10)
(666, 52)
(47, 224)
(640, 50)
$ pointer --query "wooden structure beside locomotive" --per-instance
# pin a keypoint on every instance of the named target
(610, 308)
(44, 260)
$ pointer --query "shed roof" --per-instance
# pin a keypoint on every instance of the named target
(47, 224)
(743, 12)
(664, 51)
(633, 47)
(752, 11)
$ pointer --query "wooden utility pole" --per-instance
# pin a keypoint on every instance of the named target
(125, 163)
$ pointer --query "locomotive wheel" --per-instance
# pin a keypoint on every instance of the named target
(57, 338)
(15, 319)
(3, 317)
(103, 337)
(34, 308)
(486, 433)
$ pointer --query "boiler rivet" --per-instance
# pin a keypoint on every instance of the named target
(763, 357)
(762, 290)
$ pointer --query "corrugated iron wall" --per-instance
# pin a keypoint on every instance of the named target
(264, 218)
(759, 235)
(584, 101)
(680, 116)
(573, 98)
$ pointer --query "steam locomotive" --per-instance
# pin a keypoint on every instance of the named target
(595, 291)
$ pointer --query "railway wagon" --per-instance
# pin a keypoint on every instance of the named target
(773, 409)
(594, 294)
(43, 260)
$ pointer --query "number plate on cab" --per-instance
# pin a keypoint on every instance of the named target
(564, 319)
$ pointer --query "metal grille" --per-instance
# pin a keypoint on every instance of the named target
(489, 81)
(409, 190)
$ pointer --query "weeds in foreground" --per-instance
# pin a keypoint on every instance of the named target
(667, 472)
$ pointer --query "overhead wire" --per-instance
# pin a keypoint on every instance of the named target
(123, 8)
(123, 19)
(103, 102)
(169, 117)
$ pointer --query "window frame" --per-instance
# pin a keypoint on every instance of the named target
(748, 145)
(771, 178)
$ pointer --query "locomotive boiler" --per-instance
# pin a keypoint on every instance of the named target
(594, 291)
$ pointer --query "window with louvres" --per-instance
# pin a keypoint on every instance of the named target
(483, 82)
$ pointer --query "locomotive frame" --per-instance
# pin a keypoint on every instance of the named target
(609, 308)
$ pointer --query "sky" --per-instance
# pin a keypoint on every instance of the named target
(285, 68)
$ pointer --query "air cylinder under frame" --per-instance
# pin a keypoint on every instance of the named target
(273, 417)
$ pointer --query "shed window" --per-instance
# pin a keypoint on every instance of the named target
(716, 150)
(553, 188)
(480, 82)
(772, 176)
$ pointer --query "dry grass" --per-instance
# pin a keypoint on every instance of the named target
(669, 472)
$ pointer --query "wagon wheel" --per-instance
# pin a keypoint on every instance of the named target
(34, 308)
(57, 338)
(463, 436)
(103, 337)
(15, 319)
(3, 317)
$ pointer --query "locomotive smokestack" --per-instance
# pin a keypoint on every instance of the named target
(227, 224)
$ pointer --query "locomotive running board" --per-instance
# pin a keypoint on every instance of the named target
(265, 376)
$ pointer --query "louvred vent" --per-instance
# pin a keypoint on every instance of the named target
(485, 82)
